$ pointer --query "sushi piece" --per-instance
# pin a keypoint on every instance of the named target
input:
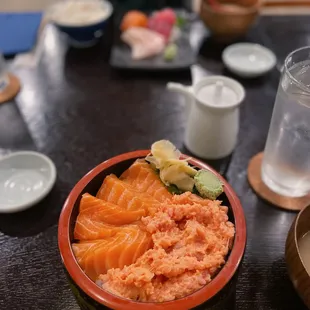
(168, 15)
(109, 213)
(142, 177)
(133, 19)
(144, 42)
(161, 27)
(118, 192)
(124, 248)
(163, 22)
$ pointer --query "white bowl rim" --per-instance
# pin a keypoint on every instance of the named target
(248, 71)
(49, 185)
(105, 2)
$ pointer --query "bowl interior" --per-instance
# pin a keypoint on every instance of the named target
(303, 222)
(302, 227)
(295, 265)
(93, 187)
(25, 178)
(91, 184)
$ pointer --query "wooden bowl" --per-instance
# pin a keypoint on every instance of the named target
(90, 296)
(296, 269)
(227, 25)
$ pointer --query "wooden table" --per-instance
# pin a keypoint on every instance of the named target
(77, 110)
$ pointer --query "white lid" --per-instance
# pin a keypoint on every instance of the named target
(219, 92)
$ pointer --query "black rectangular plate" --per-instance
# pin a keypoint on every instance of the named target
(121, 58)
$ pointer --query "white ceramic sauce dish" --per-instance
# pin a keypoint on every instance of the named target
(25, 178)
(248, 60)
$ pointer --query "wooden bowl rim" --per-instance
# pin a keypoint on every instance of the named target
(296, 223)
(247, 10)
(115, 302)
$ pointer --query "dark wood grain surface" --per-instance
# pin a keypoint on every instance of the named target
(77, 110)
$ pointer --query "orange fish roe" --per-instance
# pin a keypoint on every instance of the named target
(191, 236)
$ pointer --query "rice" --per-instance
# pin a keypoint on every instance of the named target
(80, 12)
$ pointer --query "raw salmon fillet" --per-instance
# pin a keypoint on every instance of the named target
(109, 213)
(100, 219)
(115, 191)
(89, 229)
(142, 177)
(124, 248)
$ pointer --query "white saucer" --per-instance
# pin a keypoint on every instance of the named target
(25, 179)
(248, 60)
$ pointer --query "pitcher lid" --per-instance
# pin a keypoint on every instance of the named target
(219, 92)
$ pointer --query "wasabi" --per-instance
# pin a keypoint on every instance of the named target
(170, 52)
(208, 185)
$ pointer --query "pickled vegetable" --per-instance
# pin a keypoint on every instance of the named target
(172, 170)
(170, 52)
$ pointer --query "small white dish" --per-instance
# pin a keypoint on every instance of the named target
(248, 60)
(25, 179)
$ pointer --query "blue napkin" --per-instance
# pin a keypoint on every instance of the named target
(18, 32)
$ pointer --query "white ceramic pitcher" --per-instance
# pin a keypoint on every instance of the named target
(213, 115)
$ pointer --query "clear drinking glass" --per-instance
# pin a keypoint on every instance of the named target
(286, 163)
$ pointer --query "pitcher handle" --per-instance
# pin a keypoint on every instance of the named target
(186, 90)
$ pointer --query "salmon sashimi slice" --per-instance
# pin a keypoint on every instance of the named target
(87, 228)
(115, 191)
(109, 213)
(142, 177)
(97, 256)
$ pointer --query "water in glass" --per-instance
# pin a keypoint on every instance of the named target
(286, 163)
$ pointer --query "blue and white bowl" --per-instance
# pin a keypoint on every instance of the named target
(84, 21)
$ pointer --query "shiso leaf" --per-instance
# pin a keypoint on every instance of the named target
(174, 190)
(181, 21)
(208, 185)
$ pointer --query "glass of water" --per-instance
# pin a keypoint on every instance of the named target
(286, 162)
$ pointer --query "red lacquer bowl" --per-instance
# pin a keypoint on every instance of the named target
(89, 294)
